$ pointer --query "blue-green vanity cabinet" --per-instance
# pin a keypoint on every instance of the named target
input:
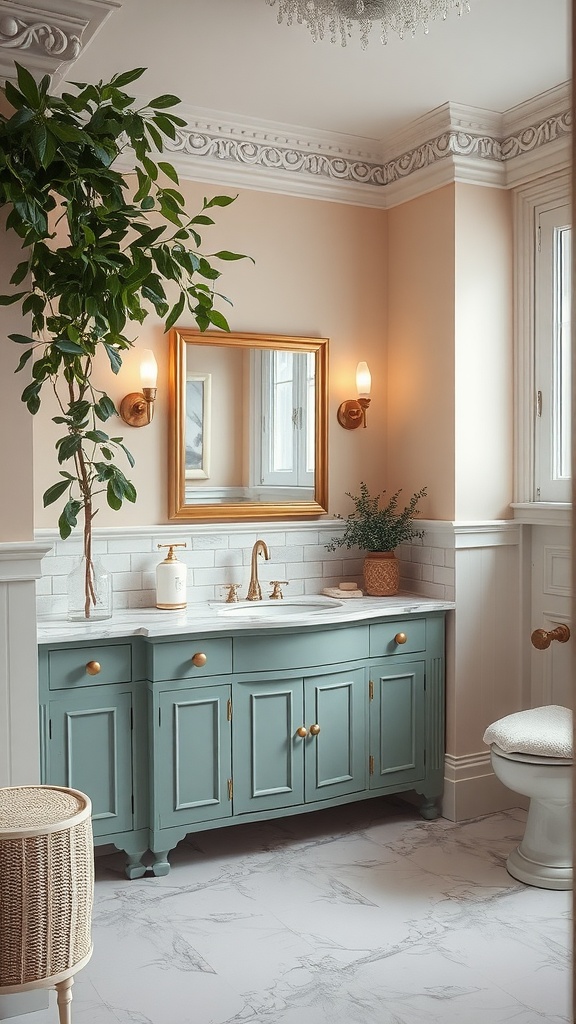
(297, 741)
(93, 736)
(171, 735)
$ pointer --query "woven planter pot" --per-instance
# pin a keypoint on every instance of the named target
(381, 574)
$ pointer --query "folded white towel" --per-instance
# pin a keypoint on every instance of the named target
(546, 732)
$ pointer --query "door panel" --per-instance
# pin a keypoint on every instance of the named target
(90, 749)
(193, 756)
(397, 723)
(268, 753)
(336, 758)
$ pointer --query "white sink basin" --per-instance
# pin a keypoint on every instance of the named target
(287, 608)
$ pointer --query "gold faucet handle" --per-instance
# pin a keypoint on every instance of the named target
(232, 589)
(277, 594)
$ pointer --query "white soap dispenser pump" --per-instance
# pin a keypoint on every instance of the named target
(171, 580)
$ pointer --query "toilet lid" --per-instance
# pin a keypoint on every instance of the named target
(530, 758)
(545, 732)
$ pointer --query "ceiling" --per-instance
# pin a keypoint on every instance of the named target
(232, 57)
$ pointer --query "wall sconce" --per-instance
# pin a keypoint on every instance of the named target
(137, 408)
(352, 414)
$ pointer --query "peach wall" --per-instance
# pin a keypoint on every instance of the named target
(320, 270)
(420, 372)
(484, 352)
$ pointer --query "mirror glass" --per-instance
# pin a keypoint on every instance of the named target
(248, 426)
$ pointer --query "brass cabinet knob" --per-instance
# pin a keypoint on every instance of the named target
(314, 730)
(93, 668)
(199, 659)
(541, 638)
(302, 731)
(400, 638)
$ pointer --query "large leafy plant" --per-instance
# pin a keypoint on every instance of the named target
(97, 253)
(375, 527)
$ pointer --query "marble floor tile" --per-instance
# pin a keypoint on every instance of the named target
(364, 914)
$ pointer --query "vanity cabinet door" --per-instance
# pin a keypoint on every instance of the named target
(268, 752)
(397, 720)
(89, 748)
(336, 761)
(191, 756)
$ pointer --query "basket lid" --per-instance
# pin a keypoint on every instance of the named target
(38, 810)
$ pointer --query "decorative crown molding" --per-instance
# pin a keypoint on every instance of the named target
(451, 143)
(47, 34)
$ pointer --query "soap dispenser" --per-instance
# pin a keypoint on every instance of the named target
(171, 580)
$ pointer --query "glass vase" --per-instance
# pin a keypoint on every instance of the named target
(89, 589)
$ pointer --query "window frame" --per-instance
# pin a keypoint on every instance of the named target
(530, 200)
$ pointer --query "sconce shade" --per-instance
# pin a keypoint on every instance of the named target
(148, 369)
(363, 380)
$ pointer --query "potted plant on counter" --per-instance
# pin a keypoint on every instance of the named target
(97, 252)
(378, 530)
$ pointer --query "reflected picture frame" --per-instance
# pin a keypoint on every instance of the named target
(197, 428)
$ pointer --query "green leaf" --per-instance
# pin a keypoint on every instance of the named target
(67, 346)
(126, 77)
(161, 101)
(24, 359)
(68, 446)
(54, 492)
(22, 339)
(219, 201)
(7, 300)
(27, 85)
(175, 312)
(112, 498)
(169, 171)
(218, 319)
(96, 435)
(114, 357)
(223, 254)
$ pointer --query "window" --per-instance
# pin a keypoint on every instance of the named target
(542, 256)
(284, 401)
(552, 294)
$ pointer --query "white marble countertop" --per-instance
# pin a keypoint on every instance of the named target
(217, 617)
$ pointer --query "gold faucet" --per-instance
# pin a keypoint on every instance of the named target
(254, 590)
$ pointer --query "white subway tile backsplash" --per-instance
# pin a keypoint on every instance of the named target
(223, 557)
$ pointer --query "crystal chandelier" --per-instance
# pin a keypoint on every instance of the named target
(338, 17)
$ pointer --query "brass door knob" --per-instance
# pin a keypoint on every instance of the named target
(302, 731)
(93, 668)
(542, 638)
(199, 659)
(400, 638)
(314, 730)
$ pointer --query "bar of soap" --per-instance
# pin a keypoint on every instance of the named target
(348, 586)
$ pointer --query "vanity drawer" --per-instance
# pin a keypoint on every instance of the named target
(89, 666)
(300, 650)
(386, 637)
(174, 660)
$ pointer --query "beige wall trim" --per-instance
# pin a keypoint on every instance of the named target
(451, 143)
(48, 35)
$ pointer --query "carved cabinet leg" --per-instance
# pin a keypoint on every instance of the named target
(161, 865)
(134, 867)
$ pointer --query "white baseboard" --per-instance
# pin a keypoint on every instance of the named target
(471, 789)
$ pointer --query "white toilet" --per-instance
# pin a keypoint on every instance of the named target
(531, 754)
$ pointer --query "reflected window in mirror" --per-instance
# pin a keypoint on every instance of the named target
(284, 392)
(248, 425)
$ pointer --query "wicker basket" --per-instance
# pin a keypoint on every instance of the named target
(46, 885)
(381, 574)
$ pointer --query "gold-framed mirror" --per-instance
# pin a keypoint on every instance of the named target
(248, 426)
